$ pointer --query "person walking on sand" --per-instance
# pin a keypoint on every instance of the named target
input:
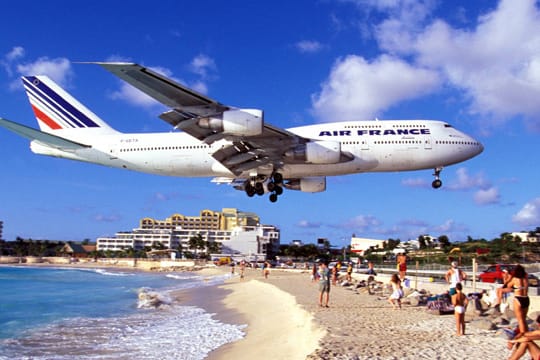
(266, 269)
(453, 276)
(460, 302)
(397, 292)
(401, 259)
(324, 284)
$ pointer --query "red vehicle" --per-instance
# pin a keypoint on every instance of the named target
(494, 273)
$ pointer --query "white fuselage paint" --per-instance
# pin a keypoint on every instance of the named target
(377, 146)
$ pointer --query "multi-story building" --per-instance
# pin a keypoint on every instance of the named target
(238, 233)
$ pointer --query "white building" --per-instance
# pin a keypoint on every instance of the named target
(524, 236)
(245, 240)
(360, 245)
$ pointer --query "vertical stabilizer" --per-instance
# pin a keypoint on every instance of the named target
(59, 113)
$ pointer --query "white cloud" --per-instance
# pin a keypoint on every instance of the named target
(58, 69)
(529, 215)
(133, 96)
(361, 222)
(309, 224)
(487, 196)
(203, 65)
(465, 181)
(358, 89)
(495, 61)
(308, 46)
(15, 53)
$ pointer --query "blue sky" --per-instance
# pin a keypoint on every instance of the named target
(475, 65)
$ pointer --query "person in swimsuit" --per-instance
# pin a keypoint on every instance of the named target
(460, 301)
(506, 278)
(525, 342)
(402, 265)
(520, 286)
(397, 292)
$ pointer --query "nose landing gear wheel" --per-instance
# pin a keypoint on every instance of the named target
(436, 184)
(273, 197)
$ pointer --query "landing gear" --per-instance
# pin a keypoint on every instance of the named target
(259, 185)
(274, 186)
(437, 183)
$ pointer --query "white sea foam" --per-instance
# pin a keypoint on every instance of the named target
(180, 332)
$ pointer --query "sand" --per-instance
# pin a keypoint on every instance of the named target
(285, 322)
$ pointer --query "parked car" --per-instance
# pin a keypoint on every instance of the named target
(494, 273)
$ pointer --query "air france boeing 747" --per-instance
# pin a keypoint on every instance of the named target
(234, 145)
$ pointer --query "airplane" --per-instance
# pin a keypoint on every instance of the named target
(235, 146)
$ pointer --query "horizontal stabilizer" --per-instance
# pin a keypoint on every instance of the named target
(42, 137)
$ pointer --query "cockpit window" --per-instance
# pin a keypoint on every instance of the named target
(447, 125)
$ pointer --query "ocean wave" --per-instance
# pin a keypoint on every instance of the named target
(112, 273)
(179, 332)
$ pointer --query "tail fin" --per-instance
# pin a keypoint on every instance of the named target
(59, 113)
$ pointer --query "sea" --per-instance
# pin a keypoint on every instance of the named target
(67, 313)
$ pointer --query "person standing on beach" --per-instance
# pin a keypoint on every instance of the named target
(349, 271)
(266, 269)
(402, 265)
(460, 301)
(453, 276)
(520, 285)
(324, 284)
(397, 292)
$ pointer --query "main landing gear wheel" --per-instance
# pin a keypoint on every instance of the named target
(437, 183)
(274, 186)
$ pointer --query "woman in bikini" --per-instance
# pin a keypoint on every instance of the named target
(520, 285)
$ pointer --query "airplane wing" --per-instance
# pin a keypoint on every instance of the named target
(44, 138)
(253, 143)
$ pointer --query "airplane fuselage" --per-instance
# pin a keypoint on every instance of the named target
(377, 146)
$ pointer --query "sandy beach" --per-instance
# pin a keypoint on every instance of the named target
(285, 322)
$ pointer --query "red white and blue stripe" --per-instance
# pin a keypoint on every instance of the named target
(52, 109)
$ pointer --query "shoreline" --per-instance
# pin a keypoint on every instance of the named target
(283, 319)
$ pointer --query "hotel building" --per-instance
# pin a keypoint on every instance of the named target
(239, 233)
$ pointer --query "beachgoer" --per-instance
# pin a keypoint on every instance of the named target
(371, 269)
(520, 286)
(334, 275)
(453, 276)
(232, 267)
(349, 271)
(324, 284)
(525, 342)
(266, 269)
(460, 301)
(397, 292)
(402, 265)
(242, 268)
(507, 277)
(314, 273)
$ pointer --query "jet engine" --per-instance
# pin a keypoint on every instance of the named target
(240, 122)
(317, 152)
(307, 184)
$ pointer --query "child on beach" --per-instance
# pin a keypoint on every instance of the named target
(397, 292)
(460, 301)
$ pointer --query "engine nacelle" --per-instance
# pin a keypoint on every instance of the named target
(317, 152)
(240, 122)
(307, 184)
